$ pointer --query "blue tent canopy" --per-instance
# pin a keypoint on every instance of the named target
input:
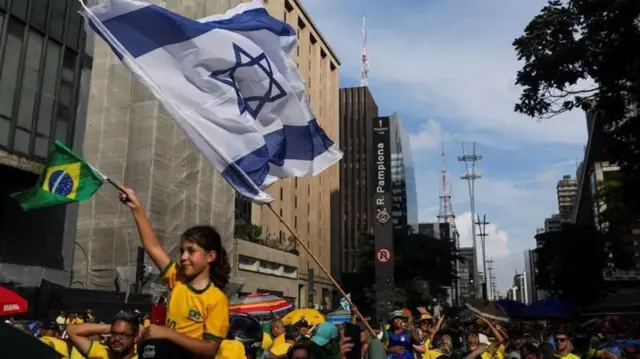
(550, 309)
(511, 307)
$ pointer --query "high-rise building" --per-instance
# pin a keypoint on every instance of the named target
(519, 289)
(553, 223)
(530, 275)
(466, 274)
(567, 190)
(44, 73)
(357, 112)
(403, 181)
(311, 206)
(133, 140)
(438, 230)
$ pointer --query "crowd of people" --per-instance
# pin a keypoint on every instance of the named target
(198, 323)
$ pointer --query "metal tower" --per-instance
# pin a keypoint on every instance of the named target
(364, 69)
(482, 226)
(492, 278)
(445, 213)
(471, 176)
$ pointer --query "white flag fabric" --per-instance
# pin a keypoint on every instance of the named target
(230, 84)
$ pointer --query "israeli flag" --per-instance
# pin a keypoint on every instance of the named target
(230, 84)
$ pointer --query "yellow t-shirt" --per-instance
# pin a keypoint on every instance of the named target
(201, 314)
(58, 344)
(431, 354)
(75, 354)
(280, 349)
(99, 351)
(231, 349)
(568, 356)
(146, 323)
(267, 341)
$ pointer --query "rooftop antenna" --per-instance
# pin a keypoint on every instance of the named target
(364, 69)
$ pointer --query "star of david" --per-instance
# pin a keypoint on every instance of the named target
(247, 101)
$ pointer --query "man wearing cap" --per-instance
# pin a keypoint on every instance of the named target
(49, 336)
(324, 342)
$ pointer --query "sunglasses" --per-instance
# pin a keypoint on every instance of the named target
(561, 340)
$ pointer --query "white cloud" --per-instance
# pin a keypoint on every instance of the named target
(428, 137)
(495, 242)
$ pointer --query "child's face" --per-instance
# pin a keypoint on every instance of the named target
(193, 258)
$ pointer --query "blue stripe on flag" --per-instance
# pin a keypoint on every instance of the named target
(303, 143)
(163, 27)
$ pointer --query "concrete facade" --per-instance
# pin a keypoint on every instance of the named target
(309, 205)
(132, 139)
(264, 269)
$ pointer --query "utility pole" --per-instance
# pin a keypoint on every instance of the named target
(471, 176)
(482, 226)
(491, 279)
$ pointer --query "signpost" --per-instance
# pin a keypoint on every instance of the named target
(383, 227)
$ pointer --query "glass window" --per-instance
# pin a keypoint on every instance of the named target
(3, 4)
(9, 70)
(19, 9)
(39, 14)
(21, 141)
(30, 80)
(74, 25)
(5, 127)
(41, 148)
(49, 82)
(56, 21)
(62, 122)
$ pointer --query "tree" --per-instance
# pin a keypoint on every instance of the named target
(423, 267)
(247, 231)
(586, 54)
(570, 263)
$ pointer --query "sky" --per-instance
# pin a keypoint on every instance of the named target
(448, 68)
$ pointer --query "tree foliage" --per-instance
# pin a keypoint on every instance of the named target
(570, 263)
(586, 54)
(423, 267)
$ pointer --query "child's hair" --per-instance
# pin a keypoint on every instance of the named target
(209, 239)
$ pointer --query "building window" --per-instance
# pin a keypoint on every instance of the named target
(10, 66)
(281, 193)
(295, 222)
(30, 81)
(280, 212)
(295, 201)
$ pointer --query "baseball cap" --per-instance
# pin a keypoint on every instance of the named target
(483, 339)
(325, 332)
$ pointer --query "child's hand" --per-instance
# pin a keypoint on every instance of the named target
(128, 197)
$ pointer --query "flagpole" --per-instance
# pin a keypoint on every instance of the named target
(322, 268)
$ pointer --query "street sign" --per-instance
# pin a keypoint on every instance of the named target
(383, 255)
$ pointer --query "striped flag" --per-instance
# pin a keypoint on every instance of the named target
(230, 84)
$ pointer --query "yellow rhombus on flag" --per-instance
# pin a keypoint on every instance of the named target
(67, 178)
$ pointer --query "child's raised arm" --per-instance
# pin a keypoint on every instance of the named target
(150, 241)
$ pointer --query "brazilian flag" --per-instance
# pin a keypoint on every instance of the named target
(67, 178)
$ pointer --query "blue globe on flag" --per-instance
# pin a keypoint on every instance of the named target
(60, 183)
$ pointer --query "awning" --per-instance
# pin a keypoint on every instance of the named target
(11, 303)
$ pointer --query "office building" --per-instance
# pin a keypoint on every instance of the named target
(311, 206)
(466, 274)
(567, 190)
(519, 289)
(437, 230)
(44, 72)
(403, 181)
(358, 110)
(553, 223)
(133, 140)
(530, 275)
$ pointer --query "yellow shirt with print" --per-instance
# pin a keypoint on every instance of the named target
(568, 356)
(99, 351)
(200, 314)
(58, 344)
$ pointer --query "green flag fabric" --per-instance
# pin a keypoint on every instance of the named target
(66, 178)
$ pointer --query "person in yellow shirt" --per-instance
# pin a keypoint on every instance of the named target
(198, 309)
(49, 336)
(277, 332)
(291, 336)
(563, 346)
(74, 353)
(123, 332)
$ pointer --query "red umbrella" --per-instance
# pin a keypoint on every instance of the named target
(11, 303)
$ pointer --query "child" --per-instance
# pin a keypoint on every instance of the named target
(198, 309)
